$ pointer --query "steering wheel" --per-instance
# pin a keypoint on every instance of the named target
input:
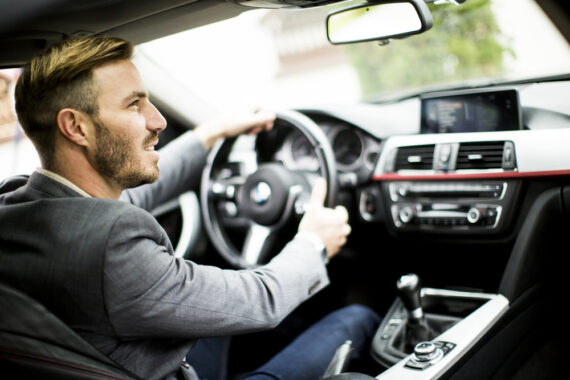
(251, 205)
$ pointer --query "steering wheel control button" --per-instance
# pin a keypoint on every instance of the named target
(229, 209)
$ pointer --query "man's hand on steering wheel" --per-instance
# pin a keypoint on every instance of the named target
(329, 225)
(233, 124)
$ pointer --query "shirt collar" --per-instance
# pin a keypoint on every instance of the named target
(64, 181)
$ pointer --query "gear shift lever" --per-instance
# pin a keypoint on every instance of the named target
(416, 329)
(409, 291)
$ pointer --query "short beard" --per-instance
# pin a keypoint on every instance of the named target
(115, 158)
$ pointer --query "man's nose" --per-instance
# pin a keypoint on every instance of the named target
(155, 121)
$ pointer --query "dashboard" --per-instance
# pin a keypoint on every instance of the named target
(448, 206)
(453, 163)
(447, 163)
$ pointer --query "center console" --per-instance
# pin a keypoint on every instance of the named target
(449, 185)
(427, 330)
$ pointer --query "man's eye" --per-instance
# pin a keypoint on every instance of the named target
(134, 103)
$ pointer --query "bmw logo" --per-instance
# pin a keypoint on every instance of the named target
(261, 193)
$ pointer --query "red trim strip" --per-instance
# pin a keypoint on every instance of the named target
(452, 176)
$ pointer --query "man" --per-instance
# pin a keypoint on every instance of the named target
(80, 241)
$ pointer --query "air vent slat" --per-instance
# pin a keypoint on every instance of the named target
(414, 158)
(480, 155)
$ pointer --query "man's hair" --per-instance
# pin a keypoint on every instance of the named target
(61, 77)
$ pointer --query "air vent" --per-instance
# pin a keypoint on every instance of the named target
(415, 158)
(480, 155)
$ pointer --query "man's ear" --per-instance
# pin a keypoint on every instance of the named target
(74, 125)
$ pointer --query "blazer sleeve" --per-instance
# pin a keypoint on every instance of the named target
(150, 293)
(180, 164)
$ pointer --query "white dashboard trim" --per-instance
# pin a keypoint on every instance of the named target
(538, 153)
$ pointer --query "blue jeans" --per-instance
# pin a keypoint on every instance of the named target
(306, 358)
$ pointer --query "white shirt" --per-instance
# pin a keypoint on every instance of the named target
(63, 181)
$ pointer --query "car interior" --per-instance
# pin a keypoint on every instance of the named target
(458, 196)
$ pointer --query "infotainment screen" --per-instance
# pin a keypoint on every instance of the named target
(470, 111)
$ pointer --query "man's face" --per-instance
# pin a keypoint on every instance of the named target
(118, 156)
(126, 127)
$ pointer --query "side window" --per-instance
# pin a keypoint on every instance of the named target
(17, 153)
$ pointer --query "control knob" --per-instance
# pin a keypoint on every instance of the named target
(474, 215)
(406, 214)
(427, 352)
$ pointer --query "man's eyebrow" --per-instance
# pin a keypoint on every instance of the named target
(137, 94)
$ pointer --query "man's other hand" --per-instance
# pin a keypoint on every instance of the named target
(330, 225)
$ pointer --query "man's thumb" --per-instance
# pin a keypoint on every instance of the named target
(319, 193)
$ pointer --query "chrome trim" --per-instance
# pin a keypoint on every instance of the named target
(400, 189)
(414, 159)
(416, 212)
(434, 292)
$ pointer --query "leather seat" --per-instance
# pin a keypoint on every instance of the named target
(34, 343)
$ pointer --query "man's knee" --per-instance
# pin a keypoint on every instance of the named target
(359, 319)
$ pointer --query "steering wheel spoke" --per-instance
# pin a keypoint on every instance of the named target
(255, 248)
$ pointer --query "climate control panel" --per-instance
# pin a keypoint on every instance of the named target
(449, 206)
(446, 214)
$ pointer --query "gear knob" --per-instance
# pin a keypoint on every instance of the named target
(409, 291)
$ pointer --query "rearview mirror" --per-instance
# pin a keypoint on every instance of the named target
(378, 21)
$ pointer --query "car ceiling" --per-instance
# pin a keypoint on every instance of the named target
(29, 26)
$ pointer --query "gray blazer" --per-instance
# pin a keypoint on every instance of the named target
(107, 269)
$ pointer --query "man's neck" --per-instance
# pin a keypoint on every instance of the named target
(64, 181)
(89, 181)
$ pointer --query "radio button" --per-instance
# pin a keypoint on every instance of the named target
(473, 215)
(406, 214)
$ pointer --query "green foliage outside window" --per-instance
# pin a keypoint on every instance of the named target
(464, 43)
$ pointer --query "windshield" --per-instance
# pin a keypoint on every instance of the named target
(281, 58)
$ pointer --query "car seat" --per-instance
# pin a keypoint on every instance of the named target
(35, 344)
